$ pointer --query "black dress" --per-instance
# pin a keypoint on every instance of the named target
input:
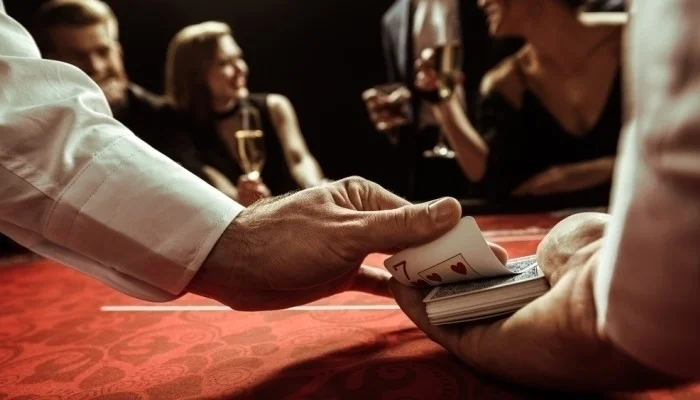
(155, 121)
(215, 152)
(527, 141)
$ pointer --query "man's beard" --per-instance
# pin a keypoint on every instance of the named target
(115, 90)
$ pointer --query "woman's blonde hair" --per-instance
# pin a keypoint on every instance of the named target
(190, 55)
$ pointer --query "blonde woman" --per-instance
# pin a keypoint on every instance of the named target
(206, 78)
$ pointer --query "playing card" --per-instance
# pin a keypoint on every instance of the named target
(460, 289)
(462, 254)
(454, 269)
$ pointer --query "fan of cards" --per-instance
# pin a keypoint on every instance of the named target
(470, 283)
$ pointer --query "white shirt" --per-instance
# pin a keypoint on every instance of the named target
(78, 187)
(647, 286)
(435, 22)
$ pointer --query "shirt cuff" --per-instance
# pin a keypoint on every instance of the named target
(137, 213)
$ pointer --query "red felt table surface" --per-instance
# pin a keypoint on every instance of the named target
(58, 341)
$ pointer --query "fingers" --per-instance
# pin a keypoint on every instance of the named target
(500, 252)
(573, 239)
(409, 226)
(374, 102)
(370, 95)
(419, 65)
(399, 95)
(250, 192)
(411, 303)
(253, 186)
(375, 99)
(422, 82)
(248, 185)
(373, 281)
(426, 80)
(385, 109)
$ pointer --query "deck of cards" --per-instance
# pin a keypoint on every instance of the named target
(470, 282)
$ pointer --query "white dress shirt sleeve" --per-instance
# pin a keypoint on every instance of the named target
(648, 281)
(76, 186)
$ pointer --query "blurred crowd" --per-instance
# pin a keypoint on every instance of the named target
(483, 100)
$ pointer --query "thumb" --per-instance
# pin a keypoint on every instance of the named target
(411, 225)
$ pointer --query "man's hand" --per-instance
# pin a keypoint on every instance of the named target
(292, 250)
(387, 110)
(249, 191)
(553, 342)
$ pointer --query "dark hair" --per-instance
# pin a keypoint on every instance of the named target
(75, 13)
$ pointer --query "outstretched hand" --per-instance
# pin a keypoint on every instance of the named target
(298, 248)
(554, 341)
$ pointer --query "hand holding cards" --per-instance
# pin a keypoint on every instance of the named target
(471, 282)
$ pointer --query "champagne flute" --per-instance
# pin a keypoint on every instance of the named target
(447, 58)
(250, 144)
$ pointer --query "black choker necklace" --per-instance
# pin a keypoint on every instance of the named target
(226, 114)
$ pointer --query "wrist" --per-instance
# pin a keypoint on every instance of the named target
(444, 90)
(442, 94)
(216, 277)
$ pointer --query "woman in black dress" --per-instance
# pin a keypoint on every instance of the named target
(550, 116)
(206, 78)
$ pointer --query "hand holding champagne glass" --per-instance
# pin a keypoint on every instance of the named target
(250, 155)
(388, 107)
(437, 77)
(248, 192)
(438, 71)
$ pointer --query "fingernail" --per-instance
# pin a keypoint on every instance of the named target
(441, 210)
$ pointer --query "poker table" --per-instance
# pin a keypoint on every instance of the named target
(66, 336)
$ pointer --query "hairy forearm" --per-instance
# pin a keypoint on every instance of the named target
(470, 149)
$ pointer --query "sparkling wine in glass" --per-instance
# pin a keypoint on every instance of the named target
(447, 58)
(250, 144)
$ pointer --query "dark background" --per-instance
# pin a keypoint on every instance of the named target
(320, 53)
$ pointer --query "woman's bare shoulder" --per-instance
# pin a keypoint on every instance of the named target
(505, 79)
